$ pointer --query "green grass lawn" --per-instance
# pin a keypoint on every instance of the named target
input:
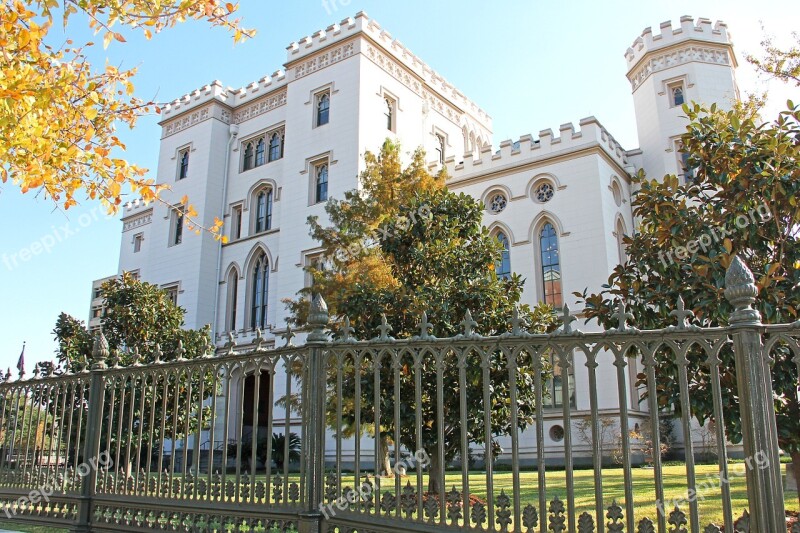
(674, 476)
(709, 504)
(710, 507)
(13, 526)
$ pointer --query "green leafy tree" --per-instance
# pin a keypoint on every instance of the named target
(140, 323)
(401, 246)
(743, 200)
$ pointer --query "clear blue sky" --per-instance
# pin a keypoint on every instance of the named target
(530, 65)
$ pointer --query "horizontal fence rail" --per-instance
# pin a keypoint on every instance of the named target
(513, 432)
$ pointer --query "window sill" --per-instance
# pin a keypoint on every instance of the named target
(253, 236)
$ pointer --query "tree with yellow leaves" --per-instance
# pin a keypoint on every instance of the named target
(59, 115)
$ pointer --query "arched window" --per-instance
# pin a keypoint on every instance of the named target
(233, 296)
(551, 265)
(677, 96)
(184, 171)
(503, 266)
(264, 210)
(440, 145)
(623, 253)
(275, 147)
(617, 193)
(260, 152)
(323, 109)
(248, 156)
(322, 183)
(389, 113)
(260, 284)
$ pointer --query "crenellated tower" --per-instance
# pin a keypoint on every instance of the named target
(694, 62)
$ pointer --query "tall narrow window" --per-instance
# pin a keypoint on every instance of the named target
(686, 173)
(260, 283)
(623, 254)
(248, 156)
(176, 236)
(504, 265)
(233, 293)
(236, 224)
(260, 152)
(183, 169)
(275, 147)
(321, 193)
(137, 242)
(551, 265)
(440, 144)
(389, 113)
(264, 210)
(554, 388)
(323, 108)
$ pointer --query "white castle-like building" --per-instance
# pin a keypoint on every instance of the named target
(268, 155)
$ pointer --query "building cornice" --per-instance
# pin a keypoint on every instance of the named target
(513, 168)
(137, 220)
(691, 50)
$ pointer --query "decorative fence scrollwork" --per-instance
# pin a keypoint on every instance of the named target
(257, 439)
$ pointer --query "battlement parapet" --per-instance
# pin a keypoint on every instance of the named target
(362, 24)
(526, 149)
(702, 30)
(176, 114)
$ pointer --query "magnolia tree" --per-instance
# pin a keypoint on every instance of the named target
(405, 245)
(742, 199)
(142, 325)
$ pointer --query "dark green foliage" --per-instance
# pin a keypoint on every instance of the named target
(747, 183)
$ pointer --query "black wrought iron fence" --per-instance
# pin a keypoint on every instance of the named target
(483, 433)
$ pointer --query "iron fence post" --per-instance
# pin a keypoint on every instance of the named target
(754, 381)
(310, 520)
(94, 422)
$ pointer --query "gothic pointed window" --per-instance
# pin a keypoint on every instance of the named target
(503, 266)
(321, 192)
(275, 147)
(440, 148)
(263, 210)
(233, 293)
(183, 171)
(260, 284)
(323, 108)
(260, 152)
(389, 113)
(248, 156)
(551, 266)
(677, 96)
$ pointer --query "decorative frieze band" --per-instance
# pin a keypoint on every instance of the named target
(394, 69)
(188, 120)
(259, 107)
(686, 54)
(321, 61)
(141, 220)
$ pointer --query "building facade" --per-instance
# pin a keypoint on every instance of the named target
(270, 154)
